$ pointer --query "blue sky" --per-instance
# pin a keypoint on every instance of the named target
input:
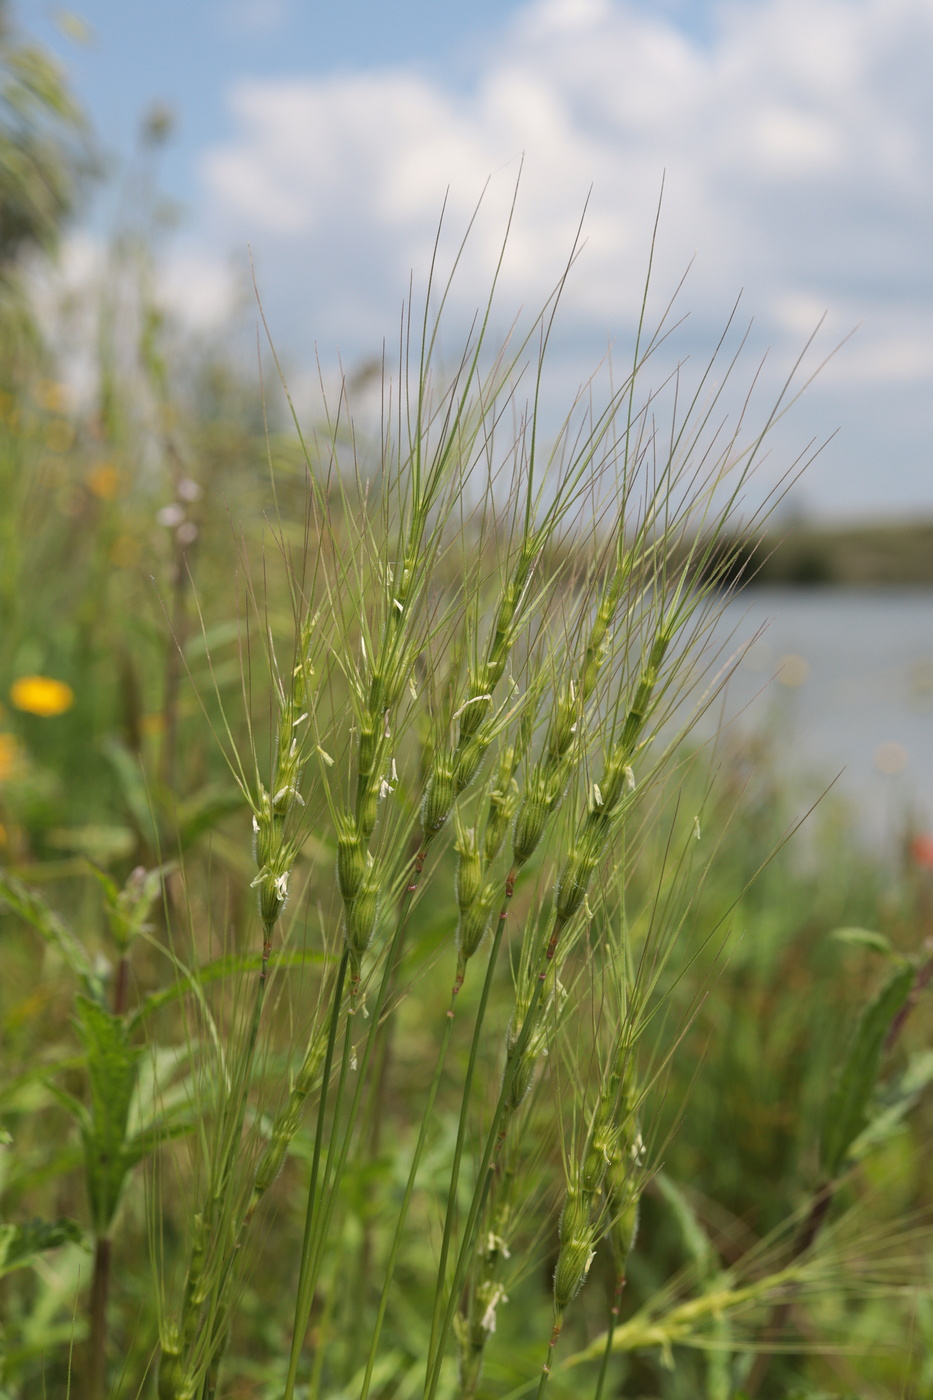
(796, 137)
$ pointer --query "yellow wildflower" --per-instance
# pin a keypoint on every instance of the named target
(41, 695)
(10, 756)
(104, 480)
(52, 397)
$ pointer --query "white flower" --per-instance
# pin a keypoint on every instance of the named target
(497, 1295)
(495, 1244)
(171, 516)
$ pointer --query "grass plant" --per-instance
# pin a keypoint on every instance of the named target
(446, 1021)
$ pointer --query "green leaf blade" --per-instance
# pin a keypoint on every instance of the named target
(848, 1104)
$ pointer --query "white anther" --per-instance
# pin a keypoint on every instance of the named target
(495, 1244)
(488, 1319)
(474, 700)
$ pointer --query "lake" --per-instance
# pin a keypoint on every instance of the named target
(845, 677)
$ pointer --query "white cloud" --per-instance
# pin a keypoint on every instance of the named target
(90, 286)
(797, 140)
(200, 290)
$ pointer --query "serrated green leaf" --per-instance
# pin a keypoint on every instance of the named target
(847, 1108)
(112, 1066)
(864, 938)
(20, 1245)
(73, 1105)
(33, 909)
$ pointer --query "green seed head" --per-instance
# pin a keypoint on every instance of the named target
(360, 917)
(577, 1247)
(468, 759)
(624, 1181)
(171, 1371)
(300, 689)
(368, 811)
(600, 1152)
(497, 825)
(272, 886)
(532, 816)
(598, 645)
(544, 1018)
(623, 1232)
(504, 634)
(366, 757)
(495, 669)
(563, 724)
(395, 683)
(267, 832)
(474, 921)
(616, 782)
(469, 877)
(508, 759)
(573, 882)
(351, 857)
(477, 706)
(502, 806)
(522, 1079)
(287, 775)
(439, 794)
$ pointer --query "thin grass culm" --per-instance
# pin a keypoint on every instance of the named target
(472, 661)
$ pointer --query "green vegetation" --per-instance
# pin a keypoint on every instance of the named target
(808, 556)
(394, 1001)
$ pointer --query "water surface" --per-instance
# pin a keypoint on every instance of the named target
(844, 680)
